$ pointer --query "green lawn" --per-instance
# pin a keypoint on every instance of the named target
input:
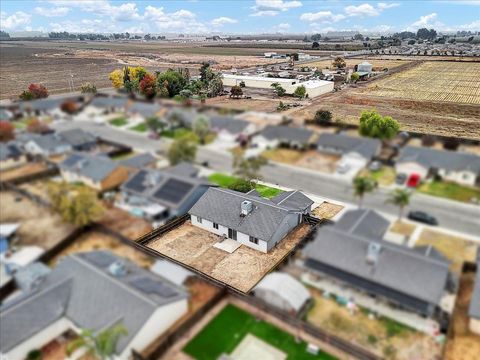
(121, 121)
(385, 176)
(231, 325)
(142, 127)
(225, 181)
(176, 133)
(450, 190)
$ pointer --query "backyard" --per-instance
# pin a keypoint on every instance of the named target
(227, 330)
(225, 181)
(450, 190)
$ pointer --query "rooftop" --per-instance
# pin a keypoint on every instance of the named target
(95, 167)
(344, 143)
(287, 133)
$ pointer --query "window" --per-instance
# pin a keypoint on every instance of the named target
(253, 240)
(199, 219)
(215, 226)
(232, 234)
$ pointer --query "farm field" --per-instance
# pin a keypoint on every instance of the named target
(455, 82)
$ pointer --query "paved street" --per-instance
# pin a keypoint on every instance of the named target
(450, 214)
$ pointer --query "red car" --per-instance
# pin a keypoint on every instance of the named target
(413, 180)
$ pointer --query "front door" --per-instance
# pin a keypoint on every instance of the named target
(232, 234)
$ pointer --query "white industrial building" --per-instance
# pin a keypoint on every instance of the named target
(314, 87)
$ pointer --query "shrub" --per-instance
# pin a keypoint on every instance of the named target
(34, 355)
(241, 185)
(88, 88)
(322, 117)
(300, 92)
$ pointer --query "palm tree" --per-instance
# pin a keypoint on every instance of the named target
(102, 345)
(400, 198)
(361, 186)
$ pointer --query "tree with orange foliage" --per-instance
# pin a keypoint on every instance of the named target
(7, 131)
(148, 86)
(38, 127)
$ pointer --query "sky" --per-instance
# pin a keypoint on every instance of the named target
(230, 17)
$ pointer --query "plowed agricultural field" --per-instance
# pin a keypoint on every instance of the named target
(454, 82)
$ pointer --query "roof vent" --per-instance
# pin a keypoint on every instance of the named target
(246, 207)
(373, 252)
(117, 269)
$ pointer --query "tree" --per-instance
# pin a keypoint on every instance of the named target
(316, 37)
(426, 34)
(339, 63)
(173, 80)
(7, 131)
(278, 89)
(400, 198)
(116, 77)
(355, 77)
(236, 91)
(37, 127)
(155, 124)
(26, 95)
(358, 37)
(148, 86)
(361, 186)
(241, 185)
(248, 169)
(201, 128)
(322, 117)
(215, 86)
(300, 92)
(315, 45)
(88, 88)
(242, 84)
(183, 149)
(101, 345)
(281, 106)
(38, 91)
(69, 106)
(372, 124)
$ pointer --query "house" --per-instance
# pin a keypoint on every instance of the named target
(139, 161)
(229, 129)
(355, 151)
(248, 218)
(46, 145)
(175, 273)
(93, 290)
(105, 105)
(353, 253)
(42, 107)
(11, 155)
(144, 110)
(272, 136)
(79, 139)
(96, 171)
(474, 308)
(462, 168)
(160, 195)
(284, 292)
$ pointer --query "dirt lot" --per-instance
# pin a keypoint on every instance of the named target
(327, 210)
(307, 159)
(241, 270)
(30, 168)
(463, 344)
(456, 249)
(39, 226)
(124, 223)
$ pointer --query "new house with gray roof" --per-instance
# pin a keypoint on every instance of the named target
(93, 290)
(251, 220)
(281, 135)
(352, 252)
(456, 166)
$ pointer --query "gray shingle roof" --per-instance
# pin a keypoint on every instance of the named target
(144, 109)
(109, 102)
(223, 206)
(345, 144)
(77, 137)
(363, 222)
(287, 134)
(9, 150)
(95, 167)
(139, 161)
(183, 169)
(233, 126)
(41, 104)
(474, 308)
(441, 159)
(293, 200)
(82, 289)
(49, 142)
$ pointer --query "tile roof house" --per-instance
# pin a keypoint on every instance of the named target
(275, 135)
(11, 155)
(79, 139)
(463, 168)
(248, 218)
(94, 290)
(352, 252)
(96, 171)
(474, 308)
(159, 195)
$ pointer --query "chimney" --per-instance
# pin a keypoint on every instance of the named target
(246, 208)
(117, 269)
(373, 252)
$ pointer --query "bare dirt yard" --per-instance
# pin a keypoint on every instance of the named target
(310, 159)
(30, 168)
(242, 269)
(327, 210)
(128, 225)
(39, 226)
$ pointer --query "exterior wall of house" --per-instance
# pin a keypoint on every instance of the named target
(275, 299)
(460, 177)
(160, 321)
(72, 177)
(410, 168)
(288, 224)
(223, 231)
(264, 143)
(40, 339)
(474, 325)
(13, 162)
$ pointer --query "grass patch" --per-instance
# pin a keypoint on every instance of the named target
(121, 121)
(142, 127)
(225, 181)
(288, 156)
(231, 325)
(385, 176)
(395, 328)
(176, 133)
(450, 190)
(403, 228)
(20, 125)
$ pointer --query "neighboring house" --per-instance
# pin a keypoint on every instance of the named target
(143, 110)
(462, 168)
(79, 139)
(46, 145)
(248, 218)
(42, 107)
(352, 252)
(139, 161)
(474, 308)
(159, 195)
(272, 136)
(93, 290)
(229, 129)
(105, 105)
(171, 271)
(354, 150)
(283, 291)
(11, 155)
(96, 171)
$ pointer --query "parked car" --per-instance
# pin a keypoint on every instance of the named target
(400, 179)
(422, 217)
(413, 180)
(375, 166)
